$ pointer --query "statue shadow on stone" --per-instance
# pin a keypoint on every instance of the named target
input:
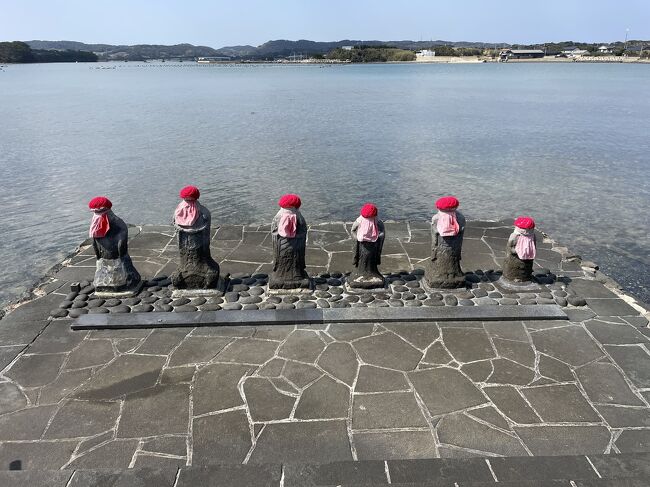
(289, 237)
(442, 270)
(198, 273)
(518, 263)
(115, 274)
(368, 234)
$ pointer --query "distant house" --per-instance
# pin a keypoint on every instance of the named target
(425, 53)
(574, 52)
(347, 48)
(605, 49)
(521, 54)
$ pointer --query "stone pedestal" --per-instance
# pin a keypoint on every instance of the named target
(289, 257)
(367, 258)
(443, 270)
(115, 274)
(197, 269)
(516, 269)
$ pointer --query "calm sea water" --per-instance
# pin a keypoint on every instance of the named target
(566, 143)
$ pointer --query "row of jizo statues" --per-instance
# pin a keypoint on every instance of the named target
(198, 270)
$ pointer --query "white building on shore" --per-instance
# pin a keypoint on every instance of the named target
(425, 53)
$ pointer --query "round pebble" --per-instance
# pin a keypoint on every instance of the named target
(418, 290)
(274, 299)
(305, 305)
(307, 297)
(249, 280)
(340, 304)
(250, 306)
(131, 301)
(250, 300)
(435, 296)
(198, 301)
(400, 289)
(71, 296)
(59, 313)
(495, 295)
(154, 289)
(399, 282)
(545, 301)
(267, 306)
(561, 301)
(546, 295)
(166, 301)
(320, 280)
(382, 296)
(396, 296)
(508, 301)
(232, 306)
(408, 296)
(179, 301)
(408, 277)
(121, 308)
(465, 302)
(378, 304)
(142, 308)
(81, 297)
(395, 303)
(285, 306)
(65, 304)
(335, 298)
(322, 303)
(256, 291)
(95, 303)
(244, 294)
(473, 278)
(290, 299)
(359, 305)
(479, 293)
(485, 301)
(560, 294)
(322, 287)
(96, 311)
(334, 282)
(87, 289)
(231, 297)
(527, 301)
(412, 284)
(352, 298)
(215, 300)
(185, 308)
(413, 303)
(451, 300)
(366, 298)
(163, 307)
(464, 295)
(78, 304)
(322, 294)
(150, 300)
(210, 307)
(433, 302)
(336, 290)
(109, 303)
(239, 287)
(144, 294)
(76, 313)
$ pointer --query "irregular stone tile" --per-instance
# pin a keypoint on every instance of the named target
(478, 371)
(300, 374)
(197, 350)
(634, 361)
(467, 344)
(462, 431)
(83, 418)
(603, 383)
(622, 466)
(510, 403)
(218, 377)
(8, 354)
(339, 360)
(121, 334)
(625, 417)
(588, 288)
(508, 372)
(445, 390)
(369, 472)
(41, 455)
(436, 354)
(526, 469)
(149, 462)
(127, 345)
(388, 350)
(265, 402)
(225, 436)
(554, 369)
(224, 331)
(162, 341)
(11, 398)
(90, 353)
(168, 445)
(508, 330)
(93, 441)
(63, 385)
(446, 451)
(302, 345)
(273, 332)
(571, 345)
(375, 379)
(35, 370)
(350, 331)
(446, 471)
(141, 477)
(57, 338)
(160, 410)
(273, 368)
(540, 325)
(114, 454)
(37, 309)
(564, 440)
(392, 445)
(490, 415)
(248, 351)
(324, 399)
(177, 375)
(27, 424)
(126, 374)
(19, 333)
(560, 404)
(634, 441)
(386, 410)
(283, 385)
(230, 476)
(611, 307)
(303, 442)
(421, 335)
(616, 334)
(519, 352)
(30, 478)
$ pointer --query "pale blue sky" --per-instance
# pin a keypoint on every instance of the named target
(219, 23)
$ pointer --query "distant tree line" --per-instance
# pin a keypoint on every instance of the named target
(371, 54)
(19, 52)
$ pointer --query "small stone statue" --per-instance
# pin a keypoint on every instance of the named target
(197, 269)
(368, 234)
(520, 251)
(447, 229)
(289, 233)
(115, 272)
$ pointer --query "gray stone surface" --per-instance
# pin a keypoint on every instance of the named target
(445, 390)
(386, 410)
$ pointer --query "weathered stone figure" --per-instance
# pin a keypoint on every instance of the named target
(197, 269)
(520, 251)
(368, 234)
(447, 229)
(289, 233)
(115, 272)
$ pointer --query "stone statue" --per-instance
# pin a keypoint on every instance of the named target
(520, 251)
(197, 269)
(368, 234)
(447, 229)
(289, 233)
(115, 272)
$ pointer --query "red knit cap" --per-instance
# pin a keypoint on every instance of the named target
(100, 202)
(447, 203)
(190, 193)
(525, 223)
(290, 201)
(369, 210)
